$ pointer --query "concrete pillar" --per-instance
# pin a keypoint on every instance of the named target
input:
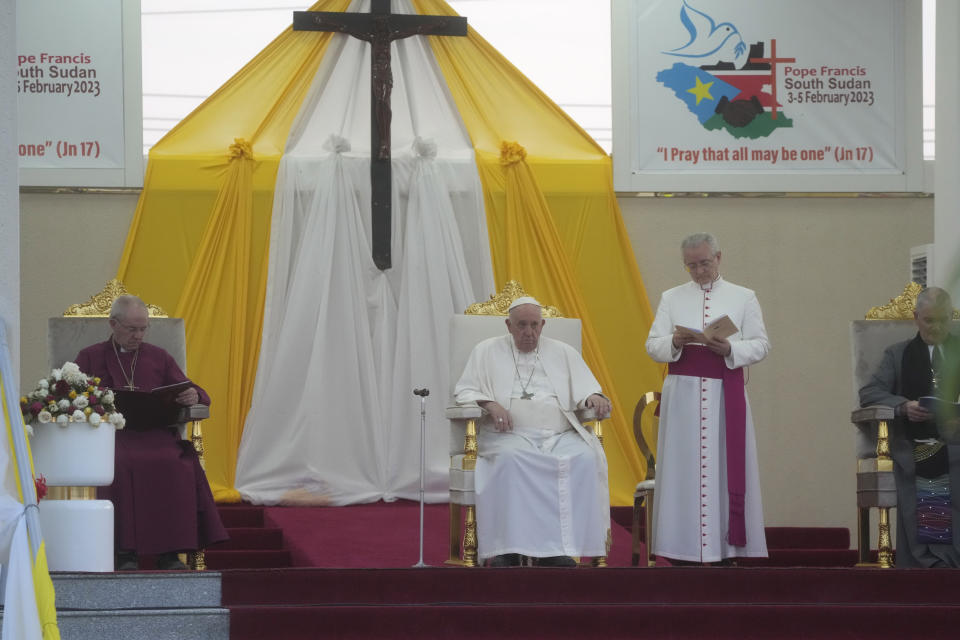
(9, 184)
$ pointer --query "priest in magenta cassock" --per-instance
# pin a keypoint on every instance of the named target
(707, 505)
(541, 478)
(162, 502)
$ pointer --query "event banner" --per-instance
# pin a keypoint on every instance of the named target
(746, 95)
(71, 89)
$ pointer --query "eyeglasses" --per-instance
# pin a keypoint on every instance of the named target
(703, 264)
(133, 329)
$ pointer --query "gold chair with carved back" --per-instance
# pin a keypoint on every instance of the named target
(480, 321)
(644, 493)
(87, 323)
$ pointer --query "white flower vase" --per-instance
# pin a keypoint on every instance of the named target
(78, 533)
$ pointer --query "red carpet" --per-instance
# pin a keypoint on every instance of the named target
(386, 535)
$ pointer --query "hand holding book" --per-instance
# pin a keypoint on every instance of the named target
(722, 327)
(151, 409)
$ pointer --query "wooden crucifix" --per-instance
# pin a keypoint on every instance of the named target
(380, 28)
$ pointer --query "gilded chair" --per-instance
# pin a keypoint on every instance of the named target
(84, 324)
(882, 327)
(643, 495)
(480, 321)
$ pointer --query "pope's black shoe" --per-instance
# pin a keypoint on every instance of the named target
(505, 560)
(556, 561)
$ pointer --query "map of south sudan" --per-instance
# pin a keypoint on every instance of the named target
(733, 100)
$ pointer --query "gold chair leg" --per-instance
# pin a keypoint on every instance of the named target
(470, 538)
(197, 560)
(884, 546)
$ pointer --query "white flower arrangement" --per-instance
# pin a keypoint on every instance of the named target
(69, 395)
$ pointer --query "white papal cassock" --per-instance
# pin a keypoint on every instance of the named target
(690, 509)
(541, 489)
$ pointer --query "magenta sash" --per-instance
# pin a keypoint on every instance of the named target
(700, 362)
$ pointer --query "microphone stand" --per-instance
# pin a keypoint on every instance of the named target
(423, 393)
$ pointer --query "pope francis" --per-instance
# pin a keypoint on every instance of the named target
(541, 478)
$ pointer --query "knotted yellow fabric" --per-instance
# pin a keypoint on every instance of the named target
(511, 153)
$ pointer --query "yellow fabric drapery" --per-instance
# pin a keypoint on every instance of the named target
(199, 237)
(555, 226)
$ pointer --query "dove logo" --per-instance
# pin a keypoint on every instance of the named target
(722, 84)
(709, 42)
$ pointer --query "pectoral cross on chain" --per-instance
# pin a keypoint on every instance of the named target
(380, 28)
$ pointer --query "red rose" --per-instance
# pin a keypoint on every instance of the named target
(62, 387)
(99, 409)
(49, 399)
(94, 400)
(36, 407)
(41, 483)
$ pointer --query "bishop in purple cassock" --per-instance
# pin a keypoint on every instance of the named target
(162, 502)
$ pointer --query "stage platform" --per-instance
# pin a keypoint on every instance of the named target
(386, 535)
(295, 573)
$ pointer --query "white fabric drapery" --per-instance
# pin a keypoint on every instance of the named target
(333, 418)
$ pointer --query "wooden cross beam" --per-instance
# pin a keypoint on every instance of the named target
(380, 28)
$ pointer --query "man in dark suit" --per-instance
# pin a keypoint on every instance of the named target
(925, 446)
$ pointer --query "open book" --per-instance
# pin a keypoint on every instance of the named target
(722, 327)
(150, 409)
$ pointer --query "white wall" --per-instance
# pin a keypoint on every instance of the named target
(70, 248)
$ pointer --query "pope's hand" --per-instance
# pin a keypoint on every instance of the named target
(500, 416)
(188, 397)
(600, 404)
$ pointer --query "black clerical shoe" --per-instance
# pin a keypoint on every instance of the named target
(127, 561)
(505, 560)
(556, 561)
(170, 562)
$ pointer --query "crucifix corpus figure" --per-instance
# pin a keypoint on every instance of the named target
(380, 28)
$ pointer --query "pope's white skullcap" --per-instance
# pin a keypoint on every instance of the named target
(524, 300)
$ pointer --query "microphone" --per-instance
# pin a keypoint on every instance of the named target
(421, 392)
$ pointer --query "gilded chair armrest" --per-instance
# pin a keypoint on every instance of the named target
(193, 412)
(875, 413)
(466, 412)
